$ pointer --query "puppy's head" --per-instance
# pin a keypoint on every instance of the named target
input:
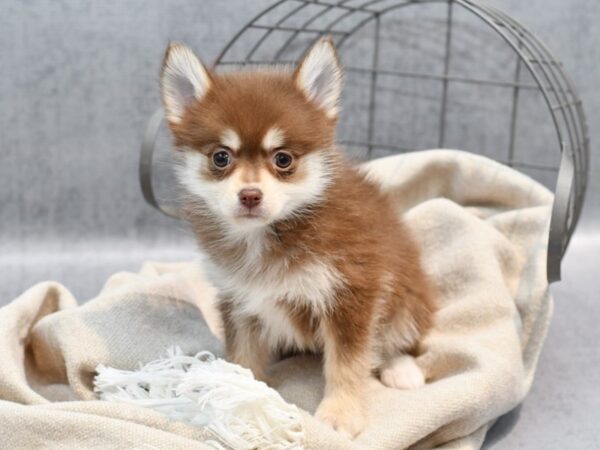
(256, 146)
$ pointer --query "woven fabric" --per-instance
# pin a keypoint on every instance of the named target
(483, 229)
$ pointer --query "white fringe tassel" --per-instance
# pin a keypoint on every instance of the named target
(241, 412)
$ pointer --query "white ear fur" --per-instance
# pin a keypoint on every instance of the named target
(183, 81)
(319, 76)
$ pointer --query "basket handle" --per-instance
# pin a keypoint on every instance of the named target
(145, 168)
(560, 215)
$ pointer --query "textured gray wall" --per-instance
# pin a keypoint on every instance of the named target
(79, 79)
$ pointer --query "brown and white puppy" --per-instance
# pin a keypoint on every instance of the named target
(307, 254)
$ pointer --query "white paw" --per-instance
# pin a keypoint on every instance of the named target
(346, 417)
(402, 372)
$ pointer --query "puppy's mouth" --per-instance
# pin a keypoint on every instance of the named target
(249, 213)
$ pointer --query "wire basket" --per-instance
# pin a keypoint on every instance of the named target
(433, 73)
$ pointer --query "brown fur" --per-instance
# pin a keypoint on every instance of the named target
(354, 227)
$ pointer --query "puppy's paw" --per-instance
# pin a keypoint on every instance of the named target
(402, 372)
(345, 416)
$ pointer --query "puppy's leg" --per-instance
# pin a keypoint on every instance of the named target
(399, 339)
(244, 344)
(402, 372)
(347, 368)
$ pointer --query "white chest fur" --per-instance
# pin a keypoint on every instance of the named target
(257, 286)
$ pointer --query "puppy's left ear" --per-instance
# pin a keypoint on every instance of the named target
(183, 81)
(319, 76)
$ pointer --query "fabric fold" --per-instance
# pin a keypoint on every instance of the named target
(483, 229)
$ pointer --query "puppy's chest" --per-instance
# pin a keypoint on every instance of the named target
(287, 297)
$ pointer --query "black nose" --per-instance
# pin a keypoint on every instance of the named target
(250, 197)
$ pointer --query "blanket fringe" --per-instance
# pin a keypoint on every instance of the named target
(238, 410)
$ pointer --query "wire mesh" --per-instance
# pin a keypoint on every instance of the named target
(547, 73)
(422, 66)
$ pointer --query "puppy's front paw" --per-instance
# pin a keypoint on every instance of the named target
(403, 373)
(345, 416)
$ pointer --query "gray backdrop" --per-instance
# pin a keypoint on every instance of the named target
(78, 80)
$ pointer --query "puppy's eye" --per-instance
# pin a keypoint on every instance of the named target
(221, 158)
(282, 160)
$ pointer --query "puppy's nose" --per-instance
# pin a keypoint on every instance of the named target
(250, 197)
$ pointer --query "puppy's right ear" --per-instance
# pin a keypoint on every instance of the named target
(183, 81)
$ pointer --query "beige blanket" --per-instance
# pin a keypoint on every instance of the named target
(483, 229)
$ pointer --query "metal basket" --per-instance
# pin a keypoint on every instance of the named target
(428, 51)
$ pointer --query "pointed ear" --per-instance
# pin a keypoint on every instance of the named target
(319, 76)
(183, 81)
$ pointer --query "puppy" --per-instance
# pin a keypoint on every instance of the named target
(307, 254)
